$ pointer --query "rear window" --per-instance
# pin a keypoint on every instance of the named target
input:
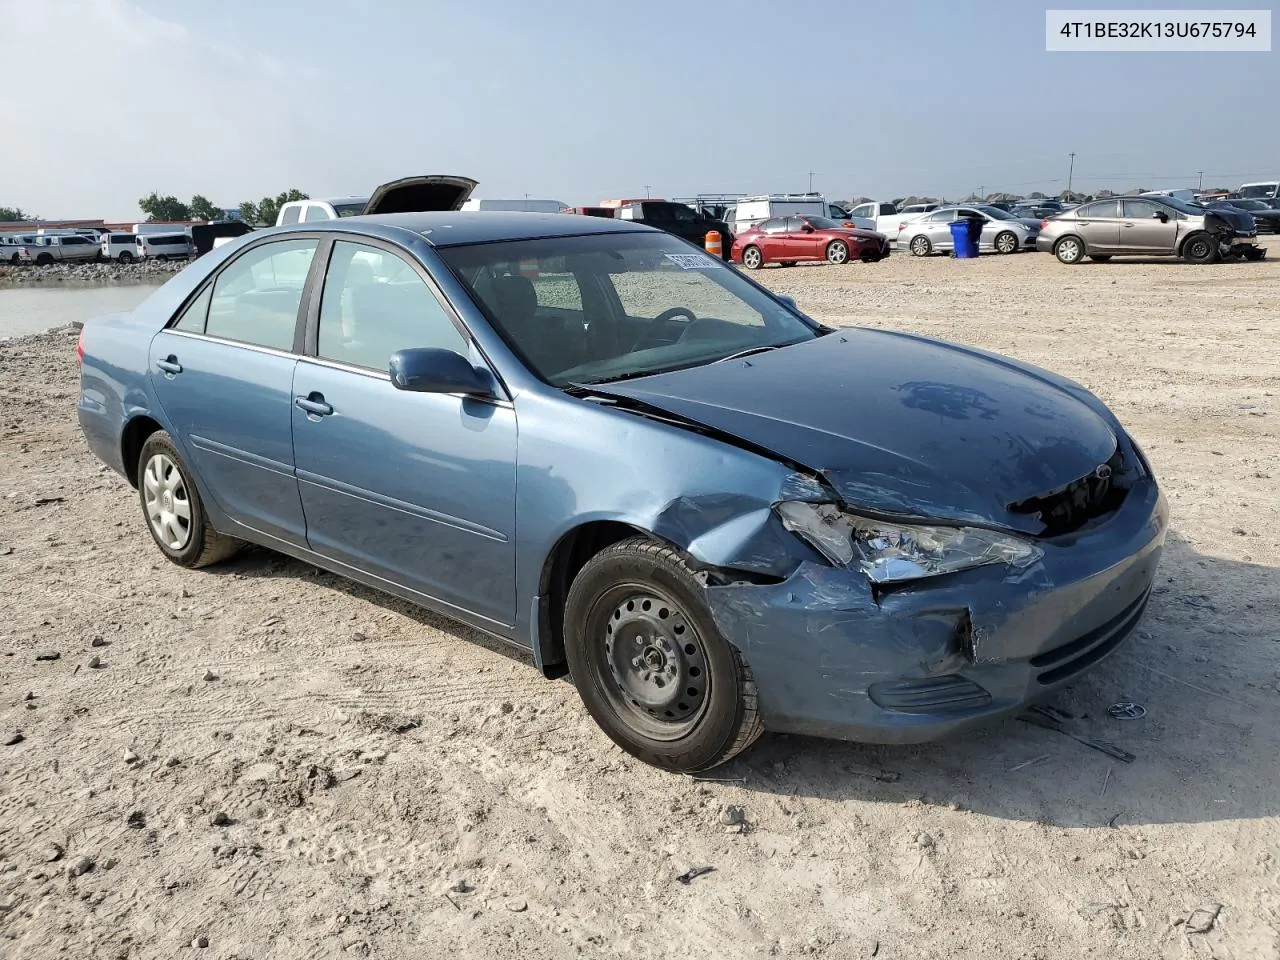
(121, 238)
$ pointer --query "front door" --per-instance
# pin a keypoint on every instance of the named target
(1142, 230)
(223, 373)
(415, 488)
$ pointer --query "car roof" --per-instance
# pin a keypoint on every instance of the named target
(454, 228)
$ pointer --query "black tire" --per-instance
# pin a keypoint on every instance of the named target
(1006, 242)
(44, 259)
(1069, 250)
(920, 246)
(161, 257)
(126, 257)
(752, 258)
(199, 545)
(837, 252)
(1100, 257)
(1200, 248)
(710, 714)
(15, 259)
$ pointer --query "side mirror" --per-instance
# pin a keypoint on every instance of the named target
(1161, 216)
(432, 370)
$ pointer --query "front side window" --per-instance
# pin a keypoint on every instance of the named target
(374, 303)
(255, 298)
(1141, 209)
(649, 304)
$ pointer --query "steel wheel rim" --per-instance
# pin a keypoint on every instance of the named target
(1199, 248)
(837, 252)
(164, 493)
(653, 664)
(1006, 243)
(751, 258)
(919, 246)
(1068, 250)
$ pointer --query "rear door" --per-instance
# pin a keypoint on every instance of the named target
(772, 238)
(417, 489)
(223, 373)
(1142, 230)
(1099, 224)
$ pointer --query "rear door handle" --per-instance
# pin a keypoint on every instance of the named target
(170, 365)
(314, 405)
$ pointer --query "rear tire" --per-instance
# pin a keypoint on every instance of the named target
(44, 259)
(649, 663)
(752, 258)
(172, 508)
(837, 252)
(1200, 248)
(1069, 250)
(920, 246)
(126, 257)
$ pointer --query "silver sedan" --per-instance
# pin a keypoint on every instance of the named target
(1001, 232)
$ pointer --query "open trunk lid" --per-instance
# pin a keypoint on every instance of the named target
(421, 194)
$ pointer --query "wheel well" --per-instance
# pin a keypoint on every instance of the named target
(136, 432)
(568, 557)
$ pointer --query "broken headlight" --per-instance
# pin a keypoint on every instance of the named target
(890, 552)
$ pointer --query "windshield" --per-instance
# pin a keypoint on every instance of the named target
(995, 213)
(1194, 209)
(822, 223)
(1247, 204)
(348, 209)
(612, 306)
(1264, 190)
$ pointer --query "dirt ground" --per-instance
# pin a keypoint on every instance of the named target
(271, 761)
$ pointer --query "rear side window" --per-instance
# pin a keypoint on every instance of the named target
(316, 212)
(374, 304)
(255, 298)
(290, 214)
(193, 318)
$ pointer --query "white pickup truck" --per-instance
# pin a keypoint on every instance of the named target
(49, 249)
(883, 217)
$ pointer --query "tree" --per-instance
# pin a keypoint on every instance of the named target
(157, 207)
(268, 208)
(202, 208)
(15, 215)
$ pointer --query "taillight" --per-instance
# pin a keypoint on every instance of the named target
(1044, 224)
(80, 348)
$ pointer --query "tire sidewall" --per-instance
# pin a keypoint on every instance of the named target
(586, 614)
(161, 442)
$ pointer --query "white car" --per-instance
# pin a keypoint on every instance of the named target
(119, 246)
(163, 246)
(884, 217)
(746, 212)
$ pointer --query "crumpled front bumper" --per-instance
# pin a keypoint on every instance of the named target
(833, 659)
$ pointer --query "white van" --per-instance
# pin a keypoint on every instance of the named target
(1260, 190)
(119, 246)
(163, 246)
(528, 205)
(748, 211)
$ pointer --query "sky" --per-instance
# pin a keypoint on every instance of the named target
(579, 100)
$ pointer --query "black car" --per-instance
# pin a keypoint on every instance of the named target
(1265, 216)
(677, 218)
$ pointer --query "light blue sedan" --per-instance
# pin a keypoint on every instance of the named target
(593, 441)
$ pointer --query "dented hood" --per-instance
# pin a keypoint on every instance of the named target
(896, 424)
(421, 194)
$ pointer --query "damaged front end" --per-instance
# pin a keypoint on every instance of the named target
(1236, 235)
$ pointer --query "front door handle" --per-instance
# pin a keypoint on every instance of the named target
(1128, 225)
(314, 405)
(170, 365)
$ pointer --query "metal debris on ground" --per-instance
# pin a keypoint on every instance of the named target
(51, 655)
(1126, 710)
(1027, 763)
(688, 876)
(692, 779)
(1203, 918)
(1051, 719)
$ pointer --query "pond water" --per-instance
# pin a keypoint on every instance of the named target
(26, 310)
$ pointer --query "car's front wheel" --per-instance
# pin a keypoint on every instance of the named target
(126, 257)
(649, 663)
(1006, 242)
(752, 258)
(172, 508)
(1200, 248)
(837, 252)
(1069, 250)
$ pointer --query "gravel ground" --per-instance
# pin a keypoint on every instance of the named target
(262, 760)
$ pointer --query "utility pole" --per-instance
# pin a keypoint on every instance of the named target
(1070, 171)
(646, 191)
(982, 193)
(1201, 179)
(811, 181)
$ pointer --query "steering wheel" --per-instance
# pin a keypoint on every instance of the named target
(655, 338)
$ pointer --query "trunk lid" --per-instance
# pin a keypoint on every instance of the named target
(421, 194)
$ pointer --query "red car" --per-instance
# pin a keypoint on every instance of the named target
(789, 240)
